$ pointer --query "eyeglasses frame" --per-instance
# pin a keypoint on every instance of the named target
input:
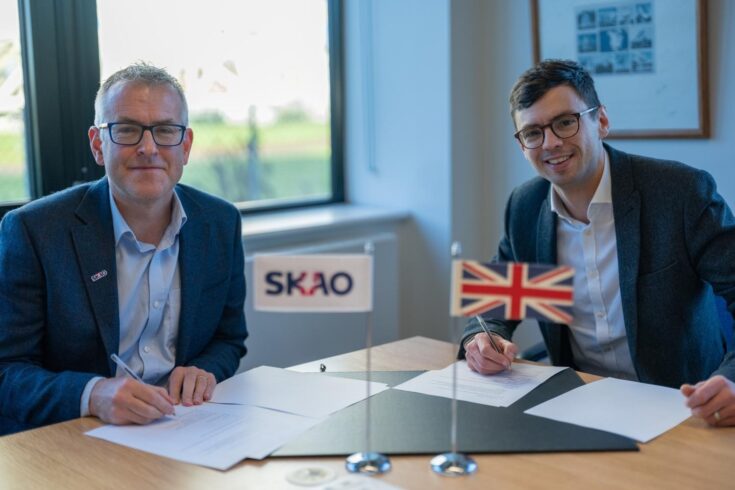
(110, 125)
(578, 115)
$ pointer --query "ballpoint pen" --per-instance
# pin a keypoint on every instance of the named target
(129, 371)
(126, 368)
(489, 334)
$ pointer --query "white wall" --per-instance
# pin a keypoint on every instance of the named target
(398, 112)
(441, 72)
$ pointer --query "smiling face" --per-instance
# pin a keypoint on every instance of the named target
(142, 175)
(573, 164)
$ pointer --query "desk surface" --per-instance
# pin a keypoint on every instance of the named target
(691, 455)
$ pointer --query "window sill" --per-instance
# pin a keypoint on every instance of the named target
(288, 225)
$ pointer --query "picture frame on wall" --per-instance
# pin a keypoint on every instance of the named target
(648, 59)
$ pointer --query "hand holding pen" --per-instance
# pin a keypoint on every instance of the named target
(489, 354)
(128, 400)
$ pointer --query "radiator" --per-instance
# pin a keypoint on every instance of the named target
(285, 339)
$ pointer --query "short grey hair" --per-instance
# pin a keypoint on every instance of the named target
(142, 73)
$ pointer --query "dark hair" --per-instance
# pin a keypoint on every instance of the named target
(536, 81)
(143, 73)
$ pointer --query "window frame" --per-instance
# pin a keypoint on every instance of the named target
(61, 70)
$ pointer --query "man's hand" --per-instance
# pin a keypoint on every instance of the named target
(123, 400)
(191, 385)
(712, 400)
(483, 358)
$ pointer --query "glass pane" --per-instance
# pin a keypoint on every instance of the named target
(13, 168)
(256, 75)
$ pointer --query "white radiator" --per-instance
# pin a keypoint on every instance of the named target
(284, 339)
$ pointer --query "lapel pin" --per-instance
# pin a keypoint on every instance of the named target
(96, 277)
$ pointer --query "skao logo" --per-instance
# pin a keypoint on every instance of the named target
(308, 283)
(336, 283)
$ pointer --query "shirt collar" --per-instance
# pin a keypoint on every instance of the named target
(602, 195)
(121, 228)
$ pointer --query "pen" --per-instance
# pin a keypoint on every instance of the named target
(129, 371)
(126, 368)
(489, 334)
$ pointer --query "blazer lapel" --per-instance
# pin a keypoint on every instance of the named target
(193, 245)
(546, 254)
(94, 245)
(546, 235)
(627, 212)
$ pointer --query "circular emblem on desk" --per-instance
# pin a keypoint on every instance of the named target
(311, 476)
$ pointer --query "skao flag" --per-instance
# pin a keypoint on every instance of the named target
(512, 291)
(317, 283)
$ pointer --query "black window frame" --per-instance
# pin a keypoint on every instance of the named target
(61, 70)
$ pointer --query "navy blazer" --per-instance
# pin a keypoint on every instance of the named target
(58, 325)
(676, 250)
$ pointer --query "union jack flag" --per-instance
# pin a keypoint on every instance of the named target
(512, 291)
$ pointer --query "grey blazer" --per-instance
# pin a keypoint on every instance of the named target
(676, 250)
(59, 325)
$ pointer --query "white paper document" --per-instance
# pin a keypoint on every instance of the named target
(308, 394)
(497, 390)
(636, 410)
(217, 436)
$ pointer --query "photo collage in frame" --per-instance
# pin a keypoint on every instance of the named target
(616, 38)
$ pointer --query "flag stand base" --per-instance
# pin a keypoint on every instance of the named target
(368, 463)
(453, 464)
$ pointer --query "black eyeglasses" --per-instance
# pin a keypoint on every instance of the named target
(132, 133)
(564, 126)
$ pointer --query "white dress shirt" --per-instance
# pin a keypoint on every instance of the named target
(598, 338)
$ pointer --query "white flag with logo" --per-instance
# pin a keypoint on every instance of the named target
(318, 283)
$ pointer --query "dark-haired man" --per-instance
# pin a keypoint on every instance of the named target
(652, 243)
(134, 264)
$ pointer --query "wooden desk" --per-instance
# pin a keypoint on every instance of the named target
(691, 456)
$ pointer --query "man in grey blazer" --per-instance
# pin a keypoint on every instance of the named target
(652, 243)
(134, 264)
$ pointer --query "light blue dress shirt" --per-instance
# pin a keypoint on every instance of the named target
(149, 299)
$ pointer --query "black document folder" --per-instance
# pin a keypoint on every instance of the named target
(412, 423)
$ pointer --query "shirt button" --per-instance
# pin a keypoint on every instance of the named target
(587, 232)
(593, 273)
(146, 349)
(599, 314)
(156, 304)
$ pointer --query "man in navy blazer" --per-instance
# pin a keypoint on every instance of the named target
(651, 241)
(134, 264)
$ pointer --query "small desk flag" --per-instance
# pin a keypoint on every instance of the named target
(512, 291)
(316, 283)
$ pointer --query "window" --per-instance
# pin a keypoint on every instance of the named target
(13, 168)
(263, 81)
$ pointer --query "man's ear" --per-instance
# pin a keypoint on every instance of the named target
(188, 140)
(95, 144)
(515, 127)
(604, 123)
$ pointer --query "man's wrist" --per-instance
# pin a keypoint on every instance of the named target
(84, 409)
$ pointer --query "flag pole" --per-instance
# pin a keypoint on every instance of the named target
(454, 463)
(368, 462)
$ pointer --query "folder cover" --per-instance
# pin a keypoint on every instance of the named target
(412, 423)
